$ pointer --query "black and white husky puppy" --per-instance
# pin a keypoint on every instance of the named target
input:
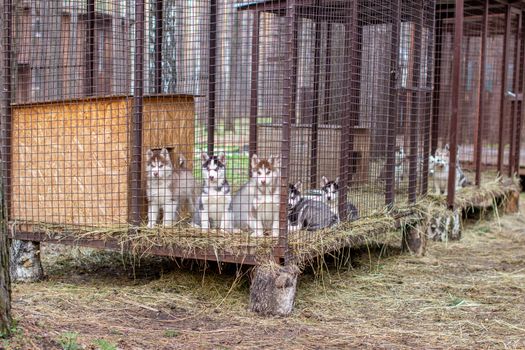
(256, 205)
(307, 214)
(330, 196)
(215, 199)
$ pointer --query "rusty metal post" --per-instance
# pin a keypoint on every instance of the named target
(392, 106)
(414, 112)
(90, 52)
(504, 76)
(293, 76)
(438, 33)
(291, 42)
(521, 113)
(427, 127)
(159, 29)
(254, 84)
(314, 147)
(212, 65)
(478, 131)
(136, 122)
(6, 116)
(515, 104)
(456, 81)
(352, 58)
(328, 73)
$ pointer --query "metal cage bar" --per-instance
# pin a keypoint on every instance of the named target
(456, 74)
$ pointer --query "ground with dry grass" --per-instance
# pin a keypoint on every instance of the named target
(467, 294)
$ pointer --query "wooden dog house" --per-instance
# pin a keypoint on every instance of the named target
(71, 159)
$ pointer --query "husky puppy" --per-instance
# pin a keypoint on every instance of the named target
(400, 167)
(441, 169)
(256, 205)
(330, 196)
(160, 187)
(441, 165)
(215, 199)
(185, 186)
(307, 213)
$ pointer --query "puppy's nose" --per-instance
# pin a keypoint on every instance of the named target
(211, 177)
(263, 182)
(155, 174)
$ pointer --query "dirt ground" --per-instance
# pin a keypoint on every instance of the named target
(461, 295)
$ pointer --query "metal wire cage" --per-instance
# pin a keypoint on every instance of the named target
(100, 95)
(490, 86)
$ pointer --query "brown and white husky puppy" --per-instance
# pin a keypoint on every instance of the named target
(185, 186)
(215, 200)
(160, 187)
(256, 205)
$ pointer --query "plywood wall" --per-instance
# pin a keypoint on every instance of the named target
(71, 160)
(329, 138)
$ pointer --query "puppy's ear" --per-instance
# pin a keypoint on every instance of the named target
(255, 161)
(299, 186)
(324, 181)
(222, 158)
(337, 180)
(165, 153)
(276, 161)
(149, 153)
(204, 157)
(182, 160)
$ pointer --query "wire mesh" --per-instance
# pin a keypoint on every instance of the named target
(200, 115)
(490, 110)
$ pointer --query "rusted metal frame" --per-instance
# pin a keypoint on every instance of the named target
(390, 163)
(415, 113)
(212, 77)
(456, 81)
(136, 122)
(295, 64)
(115, 245)
(159, 29)
(503, 95)
(352, 68)
(480, 117)
(436, 95)
(254, 84)
(515, 103)
(90, 45)
(314, 144)
(269, 6)
(6, 116)
(521, 111)
(428, 109)
(290, 66)
(328, 73)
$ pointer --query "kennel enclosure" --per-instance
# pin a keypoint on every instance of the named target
(332, 87)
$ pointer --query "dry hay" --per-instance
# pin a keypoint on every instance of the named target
(305, 247)
(461, 295)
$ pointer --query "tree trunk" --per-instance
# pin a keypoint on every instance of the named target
(5, 278)
(5, 281)
(25, 263)
(272, 291)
